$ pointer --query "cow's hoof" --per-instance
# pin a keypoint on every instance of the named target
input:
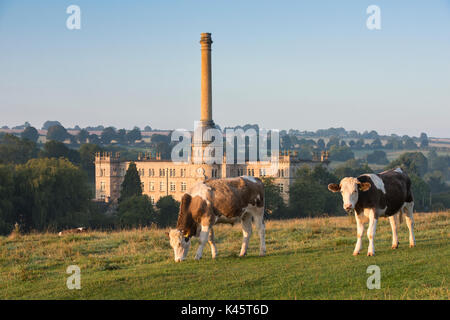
(262, 254)
(197, 257)
(370, 254)
(412, 245)
(241, 255)
(355, 253)
(395, 246)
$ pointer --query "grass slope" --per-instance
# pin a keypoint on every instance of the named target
(306, 259)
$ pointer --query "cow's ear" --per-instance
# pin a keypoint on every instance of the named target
(364, 186)
(334, 187)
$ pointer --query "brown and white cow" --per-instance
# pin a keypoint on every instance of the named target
(75, 230)
(219, 201)
(387, 194)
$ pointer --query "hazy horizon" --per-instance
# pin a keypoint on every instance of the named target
(292, 65)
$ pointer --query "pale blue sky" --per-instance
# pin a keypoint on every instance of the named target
(282, 64)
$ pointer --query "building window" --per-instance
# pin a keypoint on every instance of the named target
(142, 186)
(172, 187)
(151, 186)
(281, 187)
(152, 199)
(183, 172)
(161, 186)
(183, 186)
(102, 186)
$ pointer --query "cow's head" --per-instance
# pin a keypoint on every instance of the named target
(180, 238)
(349, 188)
(180, 244)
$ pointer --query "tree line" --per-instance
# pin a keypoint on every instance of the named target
(50, 187)
(309, 195)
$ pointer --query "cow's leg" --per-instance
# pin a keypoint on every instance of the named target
(371, 231)
(393, 221)
(203, 239)
(259, 223)
(246, 231)
(409, 206)
(360, 231)
(212, 244)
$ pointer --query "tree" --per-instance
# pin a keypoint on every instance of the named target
(93, 138)
(131, 185)
(136, 211)
(50, 194)
(341, 153)
(352, 168)
(394, 144)
(82, 136)
(321, 144)
(436, 181)
(420, 191)
(359, 144)
(376, 144)
(30, 133)
(410, 144)
(47, 124)
(274, 204)
(87, 157)
(168, 209)
(134, 135)
(57, 133)
(352, 144)
(377, 157)
(122, 136)
(423, 140)
(157, 138)
(309, 196)
(7, 217)
(334, 141)
(108, 134)
(411, 162)
(16, 150)
(55, 149)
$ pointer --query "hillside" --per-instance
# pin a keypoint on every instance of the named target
(306, 259)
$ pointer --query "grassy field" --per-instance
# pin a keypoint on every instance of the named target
(306, 259)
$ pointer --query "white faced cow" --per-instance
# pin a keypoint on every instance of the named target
(219, 201)
(386, 194)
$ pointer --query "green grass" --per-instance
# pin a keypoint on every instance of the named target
(306, 259)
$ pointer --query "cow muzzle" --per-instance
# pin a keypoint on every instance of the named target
(348, 207)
